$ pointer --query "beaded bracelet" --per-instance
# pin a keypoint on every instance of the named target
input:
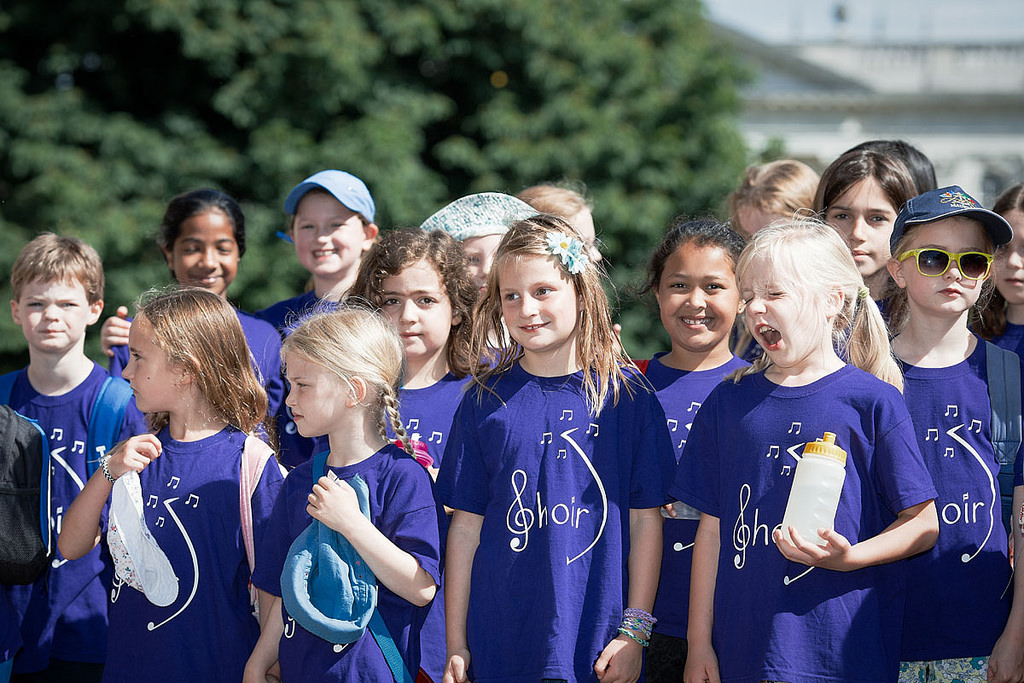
(643, 628)
(639, 614)
(629, 634)
(106, 470)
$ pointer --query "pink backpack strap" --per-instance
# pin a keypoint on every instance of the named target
(255, 455)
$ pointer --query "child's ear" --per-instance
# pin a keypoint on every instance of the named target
(896, 272)
(370, 232)
(357, 392)
(14, 312)
(456, 319)
(95, 310)
(169, 258)
(834, 302)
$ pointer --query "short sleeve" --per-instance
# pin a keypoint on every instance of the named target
(273, 542)
(900, 474)
(697, 477)
(653, 456)
(462, 482)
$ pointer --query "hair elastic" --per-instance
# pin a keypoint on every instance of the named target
(863, 293)
(568, 249)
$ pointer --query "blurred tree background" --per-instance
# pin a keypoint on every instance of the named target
(110, 108)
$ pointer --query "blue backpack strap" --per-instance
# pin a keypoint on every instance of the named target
(6, 386)
(45, 499)
(1004, 391)
(319, 465)
(381, 634)
(106, 420)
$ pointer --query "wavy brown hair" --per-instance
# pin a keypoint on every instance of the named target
(600, 354)
(395, 251)
(199, 331)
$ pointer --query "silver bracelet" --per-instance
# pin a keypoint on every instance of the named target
(106, 470)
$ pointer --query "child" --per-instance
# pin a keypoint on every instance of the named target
(942, 248)
(202, 238)
(1002, 319)
(331, 224)
(191, 374)
(859, 195)
(344, 368)
(756, 613)
(418, 280)
(778, 189)
(692, 275)
(556, 469)
(58, 292)
(569, 202)
(479, 221)
(917, 163)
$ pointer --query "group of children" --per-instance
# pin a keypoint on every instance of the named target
(483, 479)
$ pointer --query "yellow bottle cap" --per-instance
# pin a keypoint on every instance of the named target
(826, 446)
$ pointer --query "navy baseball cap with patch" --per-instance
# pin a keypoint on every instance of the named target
(947, 202)
(344, 187)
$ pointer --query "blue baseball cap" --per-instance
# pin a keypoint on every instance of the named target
(326, 586)
(344, 187)
(946, 202)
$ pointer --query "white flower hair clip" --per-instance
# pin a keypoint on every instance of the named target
(569, 250)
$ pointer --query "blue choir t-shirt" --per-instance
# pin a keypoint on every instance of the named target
(427, 415)
(190, 498)
(65, 611)
(779, 620)
(554, 485)
(402, 508)
(957, 597)
(681, 393)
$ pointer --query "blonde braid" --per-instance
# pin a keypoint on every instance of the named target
(391, 408)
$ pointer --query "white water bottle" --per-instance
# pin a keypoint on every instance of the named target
(817, 483)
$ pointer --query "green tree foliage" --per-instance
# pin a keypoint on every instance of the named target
(109, 108)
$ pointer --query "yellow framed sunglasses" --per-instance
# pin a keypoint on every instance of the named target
(932, 262)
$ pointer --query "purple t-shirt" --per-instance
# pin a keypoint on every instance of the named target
(779, 620)
(957, 597)
(427, 414)
(287, 314)
(402, 508)
(284, 316)
(680, 392)
(554, 485)
(10, 635)
(1012, 338)
(265, 346)
(190, 498)
(65, 611)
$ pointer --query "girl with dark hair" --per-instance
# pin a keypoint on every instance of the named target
(202, 238)
(859, 195)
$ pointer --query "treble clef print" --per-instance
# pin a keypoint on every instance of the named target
(519, 519)
(741, 530)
